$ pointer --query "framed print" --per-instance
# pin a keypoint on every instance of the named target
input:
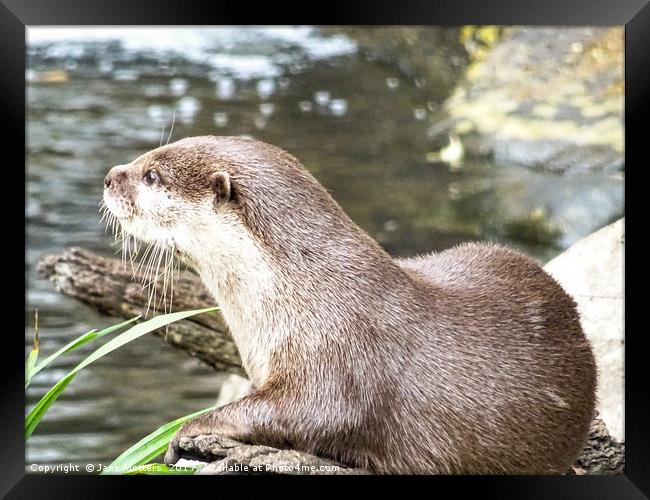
(389, 243)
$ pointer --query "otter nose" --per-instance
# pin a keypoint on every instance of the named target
(115, 174)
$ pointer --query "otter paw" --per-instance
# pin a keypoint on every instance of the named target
(181, 444)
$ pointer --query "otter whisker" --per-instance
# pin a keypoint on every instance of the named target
(164, 256)
(150, 269)
(130, 242)
(146, 313)
(165, 280)
(170, 271)
(165, 277)
(118, 241)
(110, 223)
(171, 283)
(124, 245)
(150, 262)
(113, 223)
(127, 248)
(155, 265)
(148, 285)
(162, 134)
(118, 235)
(169, 275)
(143, 259)
(155, 281)
(106, 216)
(147, 267)
(133, 253)
(156, 268)
(172, 127)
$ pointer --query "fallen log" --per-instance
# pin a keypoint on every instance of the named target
(217, 455)
(108, 286)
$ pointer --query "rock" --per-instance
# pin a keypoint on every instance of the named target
(234, 387)
(603, 454)
(591, 271)
(432, 58)
(549, 98)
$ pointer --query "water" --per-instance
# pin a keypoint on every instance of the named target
(97, 98)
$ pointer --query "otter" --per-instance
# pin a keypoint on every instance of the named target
(467, 361)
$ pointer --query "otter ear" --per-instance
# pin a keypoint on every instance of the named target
(220, 184)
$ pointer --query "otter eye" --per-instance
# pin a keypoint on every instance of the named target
(150, 177)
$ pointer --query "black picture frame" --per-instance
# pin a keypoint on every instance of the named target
(15, 15)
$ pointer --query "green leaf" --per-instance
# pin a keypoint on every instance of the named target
(33, 355)
(39, 410)
(29, 366)
(76, 343)
(150, 446)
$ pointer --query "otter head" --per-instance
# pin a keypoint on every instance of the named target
(225, 193)
(177, 196)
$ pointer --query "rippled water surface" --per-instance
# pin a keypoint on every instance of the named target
(97, 98)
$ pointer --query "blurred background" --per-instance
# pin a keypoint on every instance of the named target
(426, 136)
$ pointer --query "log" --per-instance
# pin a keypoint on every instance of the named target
(108, 286)
(217, 455)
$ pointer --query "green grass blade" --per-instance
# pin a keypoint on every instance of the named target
(37, 413)
(150, 446)
(83, 339)
(35, 416)
(29, 365)
(76, 343)
(33, 355)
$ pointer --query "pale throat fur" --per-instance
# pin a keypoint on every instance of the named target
(228, 260)
(240, 278)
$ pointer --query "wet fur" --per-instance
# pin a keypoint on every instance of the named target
(471, 360)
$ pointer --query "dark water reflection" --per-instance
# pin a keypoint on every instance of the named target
(357, 125)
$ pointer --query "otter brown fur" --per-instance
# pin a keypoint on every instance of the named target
(471, 360)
